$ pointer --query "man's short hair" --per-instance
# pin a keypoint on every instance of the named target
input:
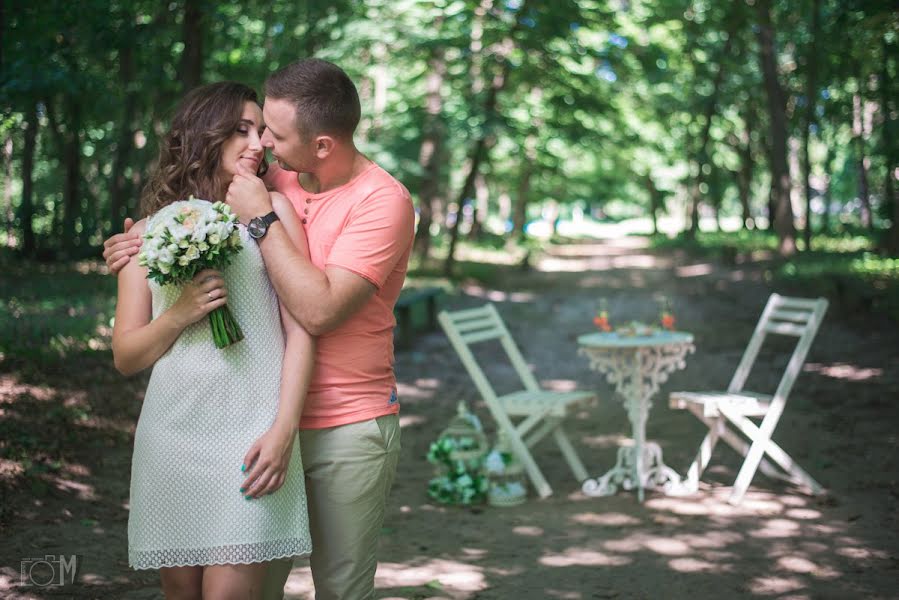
(324, 96)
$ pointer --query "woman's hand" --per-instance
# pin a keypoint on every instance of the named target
(267, 460)
(199, 297)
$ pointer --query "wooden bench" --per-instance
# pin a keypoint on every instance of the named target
(403, 311)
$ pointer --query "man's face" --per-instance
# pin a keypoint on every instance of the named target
(284, 139)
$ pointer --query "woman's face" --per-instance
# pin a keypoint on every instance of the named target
(244, 146)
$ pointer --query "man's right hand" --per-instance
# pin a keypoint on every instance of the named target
(119, 249)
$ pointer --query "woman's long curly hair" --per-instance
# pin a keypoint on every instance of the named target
(191, 152)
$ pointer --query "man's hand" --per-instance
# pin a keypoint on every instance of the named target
(247, 195)
(119, 249)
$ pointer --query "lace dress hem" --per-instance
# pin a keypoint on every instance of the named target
(238, 554)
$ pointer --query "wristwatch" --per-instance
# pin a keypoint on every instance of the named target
(258, 226)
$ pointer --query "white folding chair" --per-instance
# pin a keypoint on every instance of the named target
(799, 317)
(542, 411)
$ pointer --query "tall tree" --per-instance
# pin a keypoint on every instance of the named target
(811, 97)
(780, 173)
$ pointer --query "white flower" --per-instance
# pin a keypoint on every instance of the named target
(193, 253)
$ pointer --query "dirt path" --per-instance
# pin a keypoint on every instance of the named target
(840, 424)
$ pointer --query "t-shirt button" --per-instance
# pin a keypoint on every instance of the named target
(306, 211)
(304, 221)
(308, 200)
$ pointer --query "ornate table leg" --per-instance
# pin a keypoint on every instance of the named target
(637, 375)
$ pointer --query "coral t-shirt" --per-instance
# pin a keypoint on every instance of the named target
(365, 226)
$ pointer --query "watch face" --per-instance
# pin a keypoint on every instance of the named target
(256, 228)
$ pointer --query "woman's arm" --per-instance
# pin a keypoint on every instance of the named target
(271, 453)
(299, 347)
(138, 340)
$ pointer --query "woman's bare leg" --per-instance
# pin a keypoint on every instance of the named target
(182, 583)
(234, 582)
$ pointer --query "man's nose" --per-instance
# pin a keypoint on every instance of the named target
(266, 140)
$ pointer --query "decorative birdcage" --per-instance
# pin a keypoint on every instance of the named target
(458, 458)
(507, 479)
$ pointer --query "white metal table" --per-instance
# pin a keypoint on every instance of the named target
(636, 366)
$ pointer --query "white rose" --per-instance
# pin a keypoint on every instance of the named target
(193, 253)
(165, 257)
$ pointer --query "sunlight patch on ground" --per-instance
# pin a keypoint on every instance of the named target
(82, 490)
(451, 574)
(498, 296)
(405, 390)
(299, 584)
(843, 371)
(600, 263)
(560, 385)
(609, 519)
(411, 421)
(805, 514)
(583, 557)
(694, 270)
(773, 585)
(528, 530)
(715, 503)
(667, 546)
(10, 388)
(711, 539)
(861, 553)
(777, 528)
(611, 440)
(429, 383)
(696, 565)
(803, 566)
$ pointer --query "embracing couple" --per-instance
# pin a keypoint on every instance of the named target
(285, 443)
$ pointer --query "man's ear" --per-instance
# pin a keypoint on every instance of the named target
(324, 145)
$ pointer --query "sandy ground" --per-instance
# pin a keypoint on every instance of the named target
(840, 424)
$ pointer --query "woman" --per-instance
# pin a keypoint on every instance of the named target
(217, 485)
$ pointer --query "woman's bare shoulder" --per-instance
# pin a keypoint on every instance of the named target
(140, 227)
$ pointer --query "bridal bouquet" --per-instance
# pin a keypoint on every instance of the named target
(186, 237)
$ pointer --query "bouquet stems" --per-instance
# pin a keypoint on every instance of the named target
(225, 330)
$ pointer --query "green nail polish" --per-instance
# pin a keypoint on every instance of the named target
(243, 467)
(243, 489)
(248, 497)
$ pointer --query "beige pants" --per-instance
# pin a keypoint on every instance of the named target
(349, 471)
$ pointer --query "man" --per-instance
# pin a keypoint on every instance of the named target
(359, 223)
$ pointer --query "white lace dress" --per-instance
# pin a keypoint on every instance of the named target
(203, 409)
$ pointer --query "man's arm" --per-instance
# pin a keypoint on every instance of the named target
(319, 300)
(119, 248)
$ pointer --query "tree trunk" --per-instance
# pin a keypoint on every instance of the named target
(780, 172)
(431, 150)
(118, 181)
(654, 203)
(72, 164)
(811, 102)
(26, 208)
(744, 175)
(891, 153)
(826, 194)
(474, 163)
(520, 214)
(858, 135)
(481, 207)
(7, 194)
(702, 157)
(192, 37)
(478, 151)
